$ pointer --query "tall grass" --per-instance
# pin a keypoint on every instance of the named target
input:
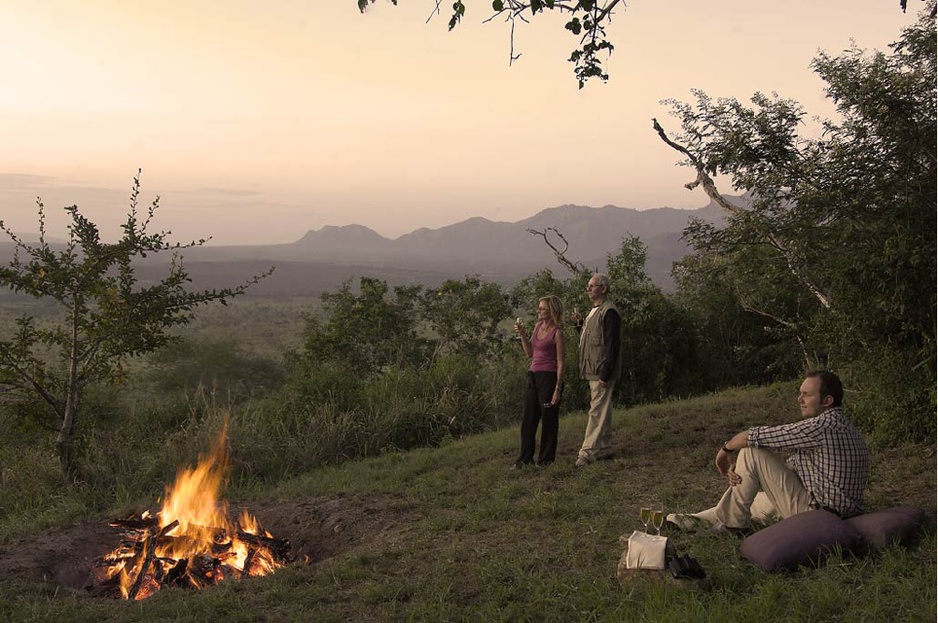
(133, 442)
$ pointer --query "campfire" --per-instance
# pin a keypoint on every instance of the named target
(191, 542)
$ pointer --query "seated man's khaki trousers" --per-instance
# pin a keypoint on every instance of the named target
(769, 490)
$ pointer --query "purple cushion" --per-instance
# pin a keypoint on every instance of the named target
(801, 539)
(890, 525)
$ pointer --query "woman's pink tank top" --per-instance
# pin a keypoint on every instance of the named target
(545, 350)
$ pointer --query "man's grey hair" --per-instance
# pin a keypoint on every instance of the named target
(603, 278)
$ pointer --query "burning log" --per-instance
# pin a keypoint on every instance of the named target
(144, 522)
(191, 542)
(280, 548)
(176, 576)
(246, 569)
(152, 542)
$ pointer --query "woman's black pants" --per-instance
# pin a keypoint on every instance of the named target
(538, 392)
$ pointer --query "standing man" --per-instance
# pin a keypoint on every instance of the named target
(828, 466)
(600, 362)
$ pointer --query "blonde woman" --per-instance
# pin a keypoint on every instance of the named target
(546, 348)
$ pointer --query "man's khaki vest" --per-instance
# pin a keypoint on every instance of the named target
(591, 352)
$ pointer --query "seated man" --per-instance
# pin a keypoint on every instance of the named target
(828, 466)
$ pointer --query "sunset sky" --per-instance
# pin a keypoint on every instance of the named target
(257, 121)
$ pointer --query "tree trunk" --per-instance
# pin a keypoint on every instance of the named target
(66, 439)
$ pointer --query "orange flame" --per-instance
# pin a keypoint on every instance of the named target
(191, 541)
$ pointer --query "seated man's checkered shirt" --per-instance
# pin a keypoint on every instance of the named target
(828, 454)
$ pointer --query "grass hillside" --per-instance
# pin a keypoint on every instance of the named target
(451, 534)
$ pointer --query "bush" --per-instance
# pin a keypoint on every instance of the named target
(892, 398)
(220, 364)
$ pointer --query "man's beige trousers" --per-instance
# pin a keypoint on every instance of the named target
(597, 442)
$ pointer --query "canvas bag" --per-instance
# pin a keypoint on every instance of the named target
(645, 551)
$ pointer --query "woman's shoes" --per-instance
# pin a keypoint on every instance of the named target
(521, 464)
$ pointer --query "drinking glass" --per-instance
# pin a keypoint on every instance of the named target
(657, 517)
(645, 515)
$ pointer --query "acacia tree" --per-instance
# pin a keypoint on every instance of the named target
(108, 315)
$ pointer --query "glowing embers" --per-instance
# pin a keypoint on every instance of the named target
(191, 542)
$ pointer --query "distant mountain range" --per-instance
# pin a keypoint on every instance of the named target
(497, 251)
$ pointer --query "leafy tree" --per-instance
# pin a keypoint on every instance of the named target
(465, 315)
(223, 365)
(659, 338)
(838, 240)
(737, 345)
(571, 291)
(368, 331)
(107, 314)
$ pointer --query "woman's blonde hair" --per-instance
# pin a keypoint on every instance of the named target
(555, 307)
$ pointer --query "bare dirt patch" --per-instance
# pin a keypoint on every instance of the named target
(317, 528)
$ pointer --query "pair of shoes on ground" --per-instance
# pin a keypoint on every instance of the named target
(522, 464)
(740, 532)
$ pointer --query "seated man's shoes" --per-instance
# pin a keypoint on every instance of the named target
(683, 521)
(720, 528)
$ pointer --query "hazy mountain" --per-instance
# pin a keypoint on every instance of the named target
(499, 251)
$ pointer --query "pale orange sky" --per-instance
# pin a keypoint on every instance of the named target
(257, 121)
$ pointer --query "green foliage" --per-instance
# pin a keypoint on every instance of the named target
(108, 316)
(313, 381)
(222, 365)
(737, 345)
(894, 397)
(836, 246)
(465, 316)
(368, 331)
(529, 290)
(659, 338)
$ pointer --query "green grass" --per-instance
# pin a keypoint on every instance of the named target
(459, 537)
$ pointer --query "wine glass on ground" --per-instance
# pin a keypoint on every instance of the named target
(645, 515)
(657, 517)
